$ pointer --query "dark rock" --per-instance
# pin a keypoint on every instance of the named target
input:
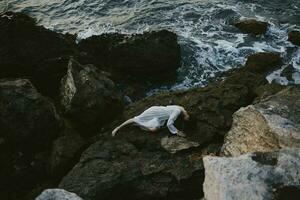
(149, 57)
(288, 72)
(65, 152)
(252, 26)
(287, 193)
(24, 45)
(137, 169)
(48, 74)
(135, 165)
(264, 158)
(294, 37)
(28, 125)
(135, 61)
(263, 62)
(88, 97)
(268, 90)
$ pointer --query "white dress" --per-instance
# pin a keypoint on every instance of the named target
(157, 116)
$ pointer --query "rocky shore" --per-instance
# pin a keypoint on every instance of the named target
(60, 100)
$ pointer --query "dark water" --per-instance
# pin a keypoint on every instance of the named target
(210, 43)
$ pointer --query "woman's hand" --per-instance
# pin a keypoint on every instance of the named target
(181, 134)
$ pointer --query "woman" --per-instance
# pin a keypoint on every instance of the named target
(155, 117)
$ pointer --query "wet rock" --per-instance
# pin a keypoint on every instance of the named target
(28, 125)
(57, 194)
(249, 177)
(88, 97)
(294, 37)
(288, 72)
(136, 62)
(24, 45)
(149, 57)
(252, 26)
(270, 124)
(175, 144)
(137, 161)
(263, 62)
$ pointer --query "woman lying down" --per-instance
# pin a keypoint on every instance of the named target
(155, 117)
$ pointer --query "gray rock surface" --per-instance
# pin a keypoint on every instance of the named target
(88, 97)
(258, 176)
(175, 144)
(57, 194)
(272, 123)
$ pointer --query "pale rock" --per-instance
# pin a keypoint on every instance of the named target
(57, 194)
(174, 144)
(258, 176)
(273, 123)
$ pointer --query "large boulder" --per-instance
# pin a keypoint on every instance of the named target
(28, 125)
(156, 166)
(257, 176)
(294, 37)
(270, 124)
(24, 45)
(149, 57)
(252, 26)
(57, 194)
(134, 167)
(88, 97)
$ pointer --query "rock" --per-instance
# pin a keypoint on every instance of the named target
(25, 46)
(28, 125)
(258, 176)
(136, 62)
(252, 26)
(268, 90)
(263, 62)
(57, 194)
(137, 161)
(109, 169)
(66, 151)
(150, 57)
(88, 97)
(294, 37)
(272, 123)
(211, 108)
(288, 72)
(175, 144)
(48, 74)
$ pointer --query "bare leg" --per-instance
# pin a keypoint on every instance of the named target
(114, 132)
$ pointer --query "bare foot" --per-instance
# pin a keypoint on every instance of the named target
(153, 129)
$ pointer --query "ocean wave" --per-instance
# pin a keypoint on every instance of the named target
(210, 44)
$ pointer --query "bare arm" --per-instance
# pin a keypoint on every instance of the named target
(114, 132)
(170, 124)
